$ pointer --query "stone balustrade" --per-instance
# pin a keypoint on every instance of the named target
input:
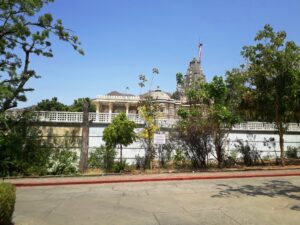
(117, 97)
(261, 126)
(76, 117)
(106, 118)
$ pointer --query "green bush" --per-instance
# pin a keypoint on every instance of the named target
(251, 156)
(179, 158)
(119, 166)
(140, 162)
(291, 152)
(63, 161)
(7, 202)
(23, 151)
(102, 158)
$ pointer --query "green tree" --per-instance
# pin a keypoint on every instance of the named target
(273, 81)
(237, 95)
(119, 132)
(102, 157)
(220, 114)
(208, 119)
(78, 104)
(148, 110)
(25, 32)
(193, 128)
(63, 158)
(179, 79)
(23, 151)
(51, 105)
(194, 132)
(176, 95)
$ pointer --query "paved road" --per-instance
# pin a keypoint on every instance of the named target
(263, 201)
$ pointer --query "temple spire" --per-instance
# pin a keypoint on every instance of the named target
(200, 52)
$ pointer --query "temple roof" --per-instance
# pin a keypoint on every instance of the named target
(158, 95)
(116, 93)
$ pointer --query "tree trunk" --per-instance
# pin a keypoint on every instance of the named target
(121, 153)
(85, 139)
(219, 156)
(281, 144)
(218, 146)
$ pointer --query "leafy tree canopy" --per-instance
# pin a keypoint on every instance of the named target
(211, 110)
(78, 104)
(51, 105)
(25, 32)
(148, 113)
(54, 105)
(273, 80)
(119, 132)
(179, 78)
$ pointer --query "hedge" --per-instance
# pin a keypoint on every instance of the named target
(7, 202)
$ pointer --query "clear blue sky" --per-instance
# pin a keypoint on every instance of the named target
(124, 38)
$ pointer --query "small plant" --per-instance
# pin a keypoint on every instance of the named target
(102, 157)
(7, 202)
(140, 162)
(119, 166)
(179, 157)
(63, 161)
(165, 154)
(231, 158)
(249, 153)
(292, 152)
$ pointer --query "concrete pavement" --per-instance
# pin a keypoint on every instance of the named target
(273, 200)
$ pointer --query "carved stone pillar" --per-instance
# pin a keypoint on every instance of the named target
(98, 107)
(127, 105)
(110, 110)
(98, 110)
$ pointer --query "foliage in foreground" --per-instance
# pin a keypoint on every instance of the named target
(62, 161)
(119, 132)
(25, 32)
(266, 89)
(102, 158)
(7, 202)
(293, 152)
(195, 134)
(273, 80)
(22, 149)
(148, 110)
(250, 155)
(204, 125)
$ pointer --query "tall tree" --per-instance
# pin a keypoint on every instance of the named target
(51, 105)
(273, 82)
(194, 133)
(78, 104)
(208, 119)
(148, 110)
(119, 132)
(25, 32)
(237, 95)
(220, 114)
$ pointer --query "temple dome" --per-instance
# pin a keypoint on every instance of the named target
(159, 95)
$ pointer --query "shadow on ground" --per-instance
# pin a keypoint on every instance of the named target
(272, 189)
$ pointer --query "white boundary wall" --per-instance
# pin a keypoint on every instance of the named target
(264, 142)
